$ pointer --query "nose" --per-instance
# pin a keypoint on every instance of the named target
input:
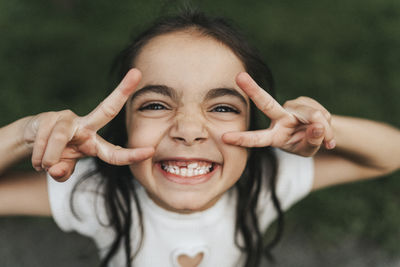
(188, 129)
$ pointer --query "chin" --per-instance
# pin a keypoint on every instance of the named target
(187, 202)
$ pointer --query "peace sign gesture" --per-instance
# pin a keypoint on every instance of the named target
(300, 126)
(59, 139)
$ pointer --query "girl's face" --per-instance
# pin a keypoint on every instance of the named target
(186, 100)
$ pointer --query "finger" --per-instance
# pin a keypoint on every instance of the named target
(61, 134)
(111, 106)
(45, 128)
(309, 102)
(258, 138)
(307, 141)
(62, 170)
(264, 101)
(310, 115)
(315, 135)
(330, 144)
(117, 155)
(297, 137)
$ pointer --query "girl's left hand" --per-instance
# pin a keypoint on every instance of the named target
(301, 126)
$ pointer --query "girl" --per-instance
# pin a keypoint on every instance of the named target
(201, 177)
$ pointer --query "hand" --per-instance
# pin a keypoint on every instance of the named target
(60, 138)
(301, 126)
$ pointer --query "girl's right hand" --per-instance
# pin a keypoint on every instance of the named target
(59, 139)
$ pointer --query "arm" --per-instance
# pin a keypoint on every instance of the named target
(56, 140)
(302, 126)
(364, 149)
(13, 147)
(23, 193)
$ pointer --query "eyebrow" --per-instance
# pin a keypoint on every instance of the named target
(158, 89)
(218, 92)
(170, 92)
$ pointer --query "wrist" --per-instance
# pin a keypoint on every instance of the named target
(347, 134)
(14, 144)
(27, 133)
(372, 144)
(337, 124)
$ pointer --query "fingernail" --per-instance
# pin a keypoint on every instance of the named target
(331, 144)
(317, 132)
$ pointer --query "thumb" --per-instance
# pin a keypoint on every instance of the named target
(116, 155)
(62, 170)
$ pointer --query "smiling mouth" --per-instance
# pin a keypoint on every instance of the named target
(187, 168)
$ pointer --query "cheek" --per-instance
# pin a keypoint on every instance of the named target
(139, 171)
(143, 133)
(221, 126)
(235, 157)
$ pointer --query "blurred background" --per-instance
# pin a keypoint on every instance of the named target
(56, 54)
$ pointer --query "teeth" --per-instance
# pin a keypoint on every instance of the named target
(190, 170)
(193, 165)
(183, 171)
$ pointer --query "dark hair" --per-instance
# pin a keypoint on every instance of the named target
(118, 182)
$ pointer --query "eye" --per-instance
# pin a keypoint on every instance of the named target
(225, 109)
(153, 106)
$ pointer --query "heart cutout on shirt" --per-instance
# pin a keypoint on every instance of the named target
(189, 260)
(190, 256)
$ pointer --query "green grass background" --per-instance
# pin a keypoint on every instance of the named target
(56, 55)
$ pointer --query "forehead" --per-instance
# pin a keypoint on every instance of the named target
(186, 60)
